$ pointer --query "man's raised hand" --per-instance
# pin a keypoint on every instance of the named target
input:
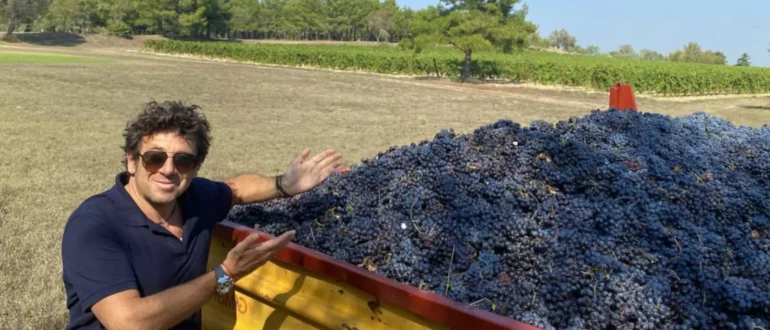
(246, 256)
(304, 174)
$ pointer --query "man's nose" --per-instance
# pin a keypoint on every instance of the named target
(168, 167)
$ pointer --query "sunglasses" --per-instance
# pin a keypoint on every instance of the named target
(154, 160)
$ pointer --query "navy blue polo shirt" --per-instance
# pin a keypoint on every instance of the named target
(109, 246)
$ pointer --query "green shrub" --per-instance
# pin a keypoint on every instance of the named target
(119, 29)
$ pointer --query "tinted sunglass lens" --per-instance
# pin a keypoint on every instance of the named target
(184, 162)
(155, 158)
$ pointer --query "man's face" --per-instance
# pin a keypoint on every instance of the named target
(167, 183)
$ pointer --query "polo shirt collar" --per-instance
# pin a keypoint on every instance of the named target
(131, 214)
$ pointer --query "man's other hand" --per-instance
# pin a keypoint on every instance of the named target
(246, 256)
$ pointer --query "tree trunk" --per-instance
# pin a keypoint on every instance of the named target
(11, 25)
(466, 66)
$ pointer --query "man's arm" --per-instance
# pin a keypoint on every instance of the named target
(302, 175)
(252, 188)
(127, 310)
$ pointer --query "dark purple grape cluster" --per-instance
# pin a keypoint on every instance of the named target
(615, 220)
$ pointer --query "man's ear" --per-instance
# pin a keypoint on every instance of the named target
(130, 163)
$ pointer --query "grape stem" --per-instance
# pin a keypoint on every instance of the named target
(675, 275)
(677, 244)
(631, 291)
(494, 306)
(411, 217)
(430, 232)
(536, 208)
(312, 234)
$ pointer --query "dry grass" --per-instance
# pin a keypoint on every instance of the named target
(60, 128)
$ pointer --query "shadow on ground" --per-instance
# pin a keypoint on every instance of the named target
(756, 107)
(48, 38)
(428, 78)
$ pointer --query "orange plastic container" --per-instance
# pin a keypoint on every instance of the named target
(622, 97)
(305, 289)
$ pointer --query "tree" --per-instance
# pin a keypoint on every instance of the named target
(304, 18)
(155, 16)
(593, 50)
(693, 53)
(243, 15)
(217, 16)
(625, 51)
(472, 25)
(651, 55)
(536, 41)
(744, 60)
(403, 20)
(383, 21)
(21, 11)
(715, 58)
(562, 39)
(363, 20)
(64, 14)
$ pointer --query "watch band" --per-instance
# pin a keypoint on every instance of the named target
(279, 187)
(220, 273)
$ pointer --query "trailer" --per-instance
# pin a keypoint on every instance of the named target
(305, 289)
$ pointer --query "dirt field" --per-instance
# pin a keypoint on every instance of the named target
(60, 128)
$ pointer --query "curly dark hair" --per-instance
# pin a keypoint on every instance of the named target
(191, 124)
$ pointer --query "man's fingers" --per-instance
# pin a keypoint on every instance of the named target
(278, 243)
(329, 170)
(244, 244)
(302, 156)
(329, 160)
(321, 156)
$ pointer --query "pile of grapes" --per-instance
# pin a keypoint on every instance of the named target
(615, 220)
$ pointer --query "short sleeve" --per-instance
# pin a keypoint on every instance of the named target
(224, 198)
(95, 263)
(215, 194)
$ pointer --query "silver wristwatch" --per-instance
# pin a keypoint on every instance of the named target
(224, 282)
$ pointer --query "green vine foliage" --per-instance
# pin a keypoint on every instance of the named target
(593, 72)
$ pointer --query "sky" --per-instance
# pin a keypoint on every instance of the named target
(732, 27)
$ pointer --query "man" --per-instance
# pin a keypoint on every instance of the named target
(134, 256)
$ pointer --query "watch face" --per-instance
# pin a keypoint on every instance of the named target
(224, 283)
(224, 287)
